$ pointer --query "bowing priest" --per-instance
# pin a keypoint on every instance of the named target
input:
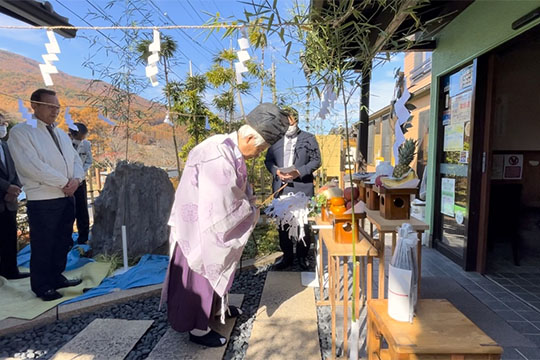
(212, 218)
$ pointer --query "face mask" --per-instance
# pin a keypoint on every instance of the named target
(3, 131)
(76, 142)
(291, 131)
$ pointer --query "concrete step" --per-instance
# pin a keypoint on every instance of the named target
(286, 323)
(174, 345)
(104, 339)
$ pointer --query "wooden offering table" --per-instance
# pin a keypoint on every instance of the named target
(338, 254)
(385, 226)
(438, 332)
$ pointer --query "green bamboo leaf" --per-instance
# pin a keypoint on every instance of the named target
(288, 49)
(270, 22)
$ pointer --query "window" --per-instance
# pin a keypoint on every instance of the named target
(386, 151)
(418, 59)
(423, 136)
(371, 143)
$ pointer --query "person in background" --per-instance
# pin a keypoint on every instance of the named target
(84, 148)
(10, 188)
(212, 218)
(298, 149)
(51, 171)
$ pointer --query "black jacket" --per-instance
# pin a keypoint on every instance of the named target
(8, 176)
(307, 159)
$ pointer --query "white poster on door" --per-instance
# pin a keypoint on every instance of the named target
(448, 196)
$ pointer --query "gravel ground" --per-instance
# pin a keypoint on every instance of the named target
(45, 341)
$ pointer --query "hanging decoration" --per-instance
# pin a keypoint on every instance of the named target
(402, 115)
(167, 119)
(48, 68)
(107, 120)
(243, 56)
(30, 118)
(292, 210)
(153, 59)
(328, 98)
(69, 120)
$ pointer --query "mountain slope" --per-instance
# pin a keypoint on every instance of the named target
(150, 139)
(20, 76)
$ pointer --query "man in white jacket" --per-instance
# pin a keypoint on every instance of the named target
(50, 170)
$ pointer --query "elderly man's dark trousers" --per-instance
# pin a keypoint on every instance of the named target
(51, 227)
(8, 243)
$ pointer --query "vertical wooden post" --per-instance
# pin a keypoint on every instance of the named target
(98, 179)
(91, 185)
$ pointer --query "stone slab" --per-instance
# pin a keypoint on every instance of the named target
(13, 325)
(286, 323)
(104, 339)
(174, 345)
(252, 264)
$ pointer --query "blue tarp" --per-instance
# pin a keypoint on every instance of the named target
(150, 270)
(74, 259)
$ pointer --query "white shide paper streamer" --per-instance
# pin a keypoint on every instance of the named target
(153, 59)
(30, 118)
(48, 68)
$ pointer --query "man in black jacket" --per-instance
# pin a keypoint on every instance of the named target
(10, 188)
(298, 149)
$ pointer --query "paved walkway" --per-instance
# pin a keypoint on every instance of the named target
(516, 313)
(286, 323)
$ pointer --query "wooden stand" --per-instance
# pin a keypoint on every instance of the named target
(439, 331)
(395, 204)
(338, 286)
(372, 197)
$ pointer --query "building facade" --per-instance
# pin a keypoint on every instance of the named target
(483, 196)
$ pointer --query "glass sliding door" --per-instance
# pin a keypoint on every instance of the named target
(456, 104)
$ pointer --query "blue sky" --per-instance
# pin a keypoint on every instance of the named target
(193, 44)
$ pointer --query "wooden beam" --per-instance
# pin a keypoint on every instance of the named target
(399, 17)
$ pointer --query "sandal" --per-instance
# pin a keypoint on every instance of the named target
(212, 339)
(233, 312)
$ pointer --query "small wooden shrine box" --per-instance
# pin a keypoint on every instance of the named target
(372, 197)
(362, 191)
(395, 204)
(343, 229)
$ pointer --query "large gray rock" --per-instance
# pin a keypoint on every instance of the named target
(139, 197)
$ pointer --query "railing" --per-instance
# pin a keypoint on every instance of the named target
(420, 72)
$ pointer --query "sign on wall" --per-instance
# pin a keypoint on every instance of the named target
(507, 167)
(513, 167)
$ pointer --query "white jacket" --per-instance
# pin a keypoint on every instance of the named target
(42, 169)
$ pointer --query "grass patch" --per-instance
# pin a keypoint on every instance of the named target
(263, 241)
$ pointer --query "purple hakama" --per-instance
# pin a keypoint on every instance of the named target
(191, 300)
